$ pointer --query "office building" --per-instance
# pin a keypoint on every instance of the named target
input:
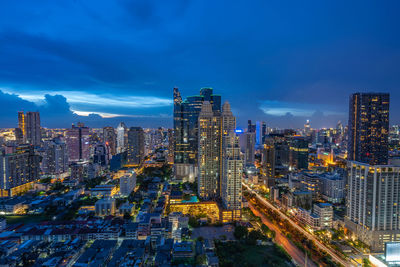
(29, 124)
(325, 212)
(127, 183)
(268, 157)
(19, 136)
(298, 155)
(77, 139)
(101, 154)
(333, 187)
(209, 152)
(18, 170)
(373, 197)
(232, 167)
(55, 159)
(110, 139)
(261, 129)
(251, 128)
(275, 155)
(135, 146)
(122, 137)
(231, 183)
(22, 126)
(247, 146)
(368, 128)
(186, 130)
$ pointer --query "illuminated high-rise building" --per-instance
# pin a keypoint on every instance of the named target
(372, 202)
(19, 136)
(110, 139)
(298, 155)
(368, 128)
(186, 139)
(307, 128)
(135, 146)
(228, 120)
(18, 170)
(22, 125)
(251, 128)
(247, 145)
(55, 159)
(32, 128)
(122, 137)
(232, 167)
(77, 139)
(263, 131)
(209, 149)
(268, 157)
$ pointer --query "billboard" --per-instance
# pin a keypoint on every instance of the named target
(392, 251)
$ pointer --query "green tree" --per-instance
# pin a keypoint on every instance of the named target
(193, 222)
(240, 232)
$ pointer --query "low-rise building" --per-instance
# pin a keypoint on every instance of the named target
(105, 207)
(107, 190)
(325, 212)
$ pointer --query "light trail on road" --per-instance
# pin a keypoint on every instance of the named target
(308, 235)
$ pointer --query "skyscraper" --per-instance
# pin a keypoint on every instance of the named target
(186, 130)
(78, 143)
(22, 125)
(247, 145)
(110, 139)
(251, 128)
(122, 137)
(55, 159)
(263, 131)
(135, 146)
(298, 155)
(231, 182)
(209, 152)
(18, 170)
(368, 128)
(373, 197)
(232, 167)
(30, 123)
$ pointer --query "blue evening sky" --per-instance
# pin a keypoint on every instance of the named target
(283, 62)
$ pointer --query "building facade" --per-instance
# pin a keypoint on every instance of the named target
(186, 130)
(210, 141)
(77, 139)
(368, 128)
(135, 146)
(373, 211)
(55, 159)
(18, 170)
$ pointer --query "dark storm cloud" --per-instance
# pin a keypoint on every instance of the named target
(299, 55)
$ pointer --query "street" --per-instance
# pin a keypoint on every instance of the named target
(297, 255)
(308, 235)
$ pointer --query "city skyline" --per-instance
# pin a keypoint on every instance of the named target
(294, 63)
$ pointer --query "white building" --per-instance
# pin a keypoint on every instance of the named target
(373, 203)
(127, 183)
(325, 213)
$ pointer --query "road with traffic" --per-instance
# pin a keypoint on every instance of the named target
(297, 255)
(321, 246)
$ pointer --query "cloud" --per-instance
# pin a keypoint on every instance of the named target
(56, 112)
(280, 108)
(106, 105)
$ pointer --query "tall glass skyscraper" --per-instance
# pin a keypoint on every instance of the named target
(368, 128)
(186, 116)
